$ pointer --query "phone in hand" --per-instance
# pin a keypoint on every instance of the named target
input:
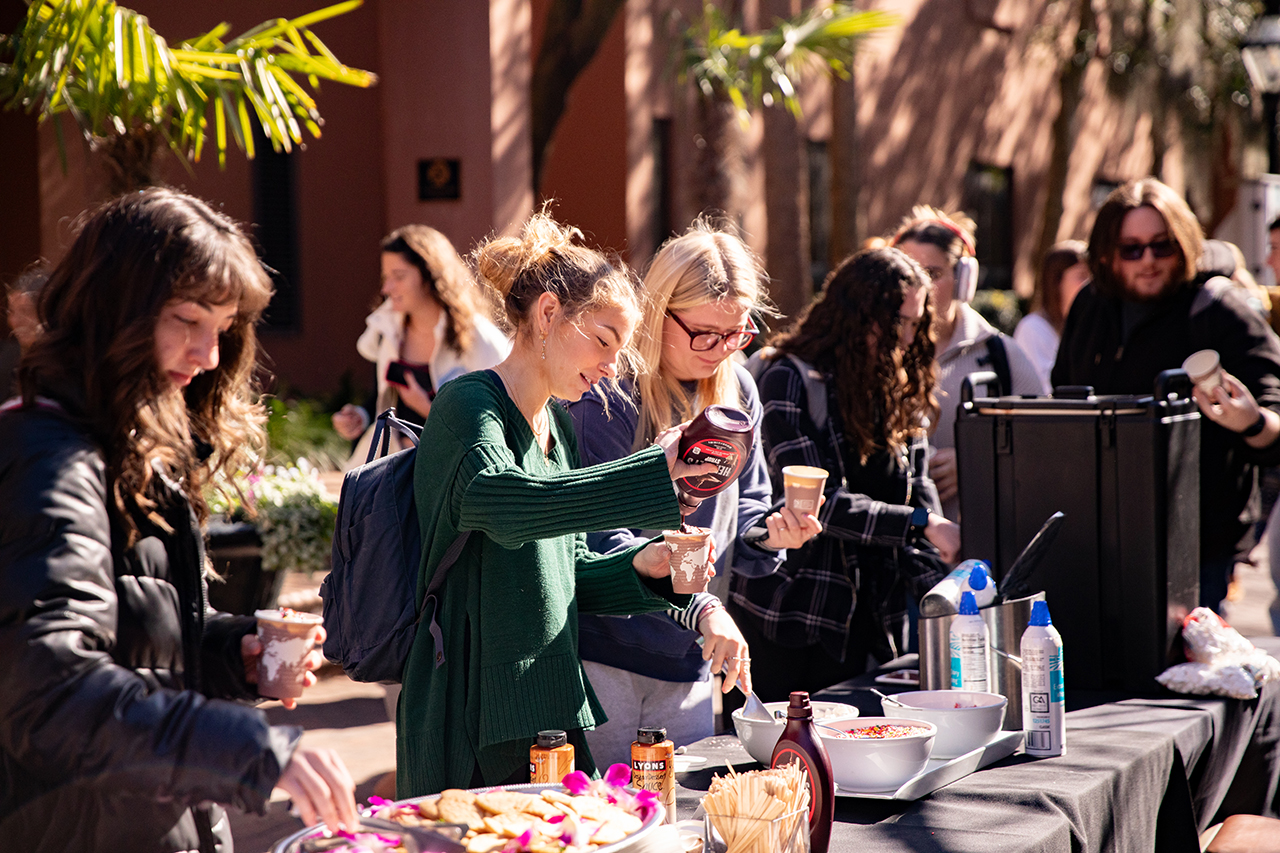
(397, 369)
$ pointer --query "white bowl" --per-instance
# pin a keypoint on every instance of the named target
(760, 737)
(960, 729)
(868, 764)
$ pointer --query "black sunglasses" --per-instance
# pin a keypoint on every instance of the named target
(1162, 248)
(704, 341)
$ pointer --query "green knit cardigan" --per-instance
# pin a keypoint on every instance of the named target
(509, 608)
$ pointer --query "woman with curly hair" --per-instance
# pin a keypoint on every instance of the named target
(498, 478)
(116, 732)
(433, 320)
(848, 389)
(655, 670)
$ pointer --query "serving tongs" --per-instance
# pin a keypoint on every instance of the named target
(1014, 582)
(440, 838)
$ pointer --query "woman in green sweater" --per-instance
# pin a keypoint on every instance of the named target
(498, 457)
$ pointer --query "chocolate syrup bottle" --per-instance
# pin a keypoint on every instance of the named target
(719, 434)
(800, 743)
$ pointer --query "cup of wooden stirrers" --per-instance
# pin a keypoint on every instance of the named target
(762, 811)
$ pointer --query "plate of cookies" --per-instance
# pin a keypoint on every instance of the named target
(533, 818)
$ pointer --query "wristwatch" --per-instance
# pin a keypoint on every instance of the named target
(919, 521)
(1256, 427)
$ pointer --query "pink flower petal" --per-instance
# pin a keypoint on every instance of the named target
(619, 775)
(576, 782)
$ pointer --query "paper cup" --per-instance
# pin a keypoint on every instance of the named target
(1204, 369)
(802, 486)
(286, 640)
(690, 559)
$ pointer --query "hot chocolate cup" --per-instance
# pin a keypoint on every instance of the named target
(690, 559)
(286, 640)
(802, 486)
(1205, 369)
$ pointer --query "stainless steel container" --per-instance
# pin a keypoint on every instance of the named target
(1005, 625)
(935, 652)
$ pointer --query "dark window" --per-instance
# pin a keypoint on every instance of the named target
(1100, 190)
(661, 180)
(275, 213)
(988, 198)
(819, 212)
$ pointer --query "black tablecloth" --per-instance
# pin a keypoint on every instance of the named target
(1138, 774)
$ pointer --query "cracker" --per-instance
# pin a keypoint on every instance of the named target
(498, 802)
(485, 843)
(460, 807)
(429, 810)
(510, 824)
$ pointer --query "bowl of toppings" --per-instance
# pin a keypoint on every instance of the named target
(965, 719)
(877, 753)
(602, 816)
(761, 736)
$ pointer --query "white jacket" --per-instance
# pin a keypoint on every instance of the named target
(384, 334)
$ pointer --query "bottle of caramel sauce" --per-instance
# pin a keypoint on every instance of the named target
(551, 758)
(719, 434)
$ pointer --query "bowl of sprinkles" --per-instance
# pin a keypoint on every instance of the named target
(877, 753)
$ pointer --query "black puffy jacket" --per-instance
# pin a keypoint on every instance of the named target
(109, 657)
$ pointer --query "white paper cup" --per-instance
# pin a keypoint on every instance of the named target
(690, 559)
(802, 488)
(1205, 369)
(286, 640)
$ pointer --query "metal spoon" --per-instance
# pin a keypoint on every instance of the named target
(888, 698)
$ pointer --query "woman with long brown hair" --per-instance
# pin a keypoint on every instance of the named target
(849, 388)
(114, 729)
(432, 326)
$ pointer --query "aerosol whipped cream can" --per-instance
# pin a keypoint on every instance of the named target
(970, 654)
(1043, 701)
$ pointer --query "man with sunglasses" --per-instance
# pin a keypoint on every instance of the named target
(1145, 311)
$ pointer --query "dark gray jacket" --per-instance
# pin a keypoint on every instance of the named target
(109, 657)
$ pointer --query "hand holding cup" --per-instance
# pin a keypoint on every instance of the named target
(282, 656)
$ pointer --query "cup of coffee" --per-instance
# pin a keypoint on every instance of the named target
(286, 640)
(690, 558)
(1204, 369)
(802, 488)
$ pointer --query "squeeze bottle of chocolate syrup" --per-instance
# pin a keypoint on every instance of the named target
(800, 743)
(719, 434)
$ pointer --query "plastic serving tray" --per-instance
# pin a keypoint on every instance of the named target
(943, 771)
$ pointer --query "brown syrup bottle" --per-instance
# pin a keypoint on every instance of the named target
(719, 434)
(800, 743)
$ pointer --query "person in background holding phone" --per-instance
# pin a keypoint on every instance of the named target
(432, 326)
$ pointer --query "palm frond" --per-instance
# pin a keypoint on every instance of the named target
(104, 65)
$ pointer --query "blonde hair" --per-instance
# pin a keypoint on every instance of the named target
(705, 264)
(546, 259)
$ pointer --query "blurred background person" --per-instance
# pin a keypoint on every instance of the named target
(432, 326)
(848, 389)
(122, 723)
(1145, 310)
(24, 325)
(944, 245)
(1064, 271)
(701, 290)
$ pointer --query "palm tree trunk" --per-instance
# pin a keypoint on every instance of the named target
(846, 171)
(786, 183)
(128, 160)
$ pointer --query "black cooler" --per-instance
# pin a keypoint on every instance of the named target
(1125, 470)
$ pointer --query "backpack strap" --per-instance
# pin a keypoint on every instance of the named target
(1000, 363)
(429, 597)
(387, 423)
(815, 390)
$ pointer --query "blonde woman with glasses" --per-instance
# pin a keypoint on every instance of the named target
(655, 670)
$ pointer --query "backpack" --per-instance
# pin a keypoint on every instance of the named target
(370, 612)
(815, 384)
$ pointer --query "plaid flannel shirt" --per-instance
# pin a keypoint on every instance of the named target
(866, 547)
